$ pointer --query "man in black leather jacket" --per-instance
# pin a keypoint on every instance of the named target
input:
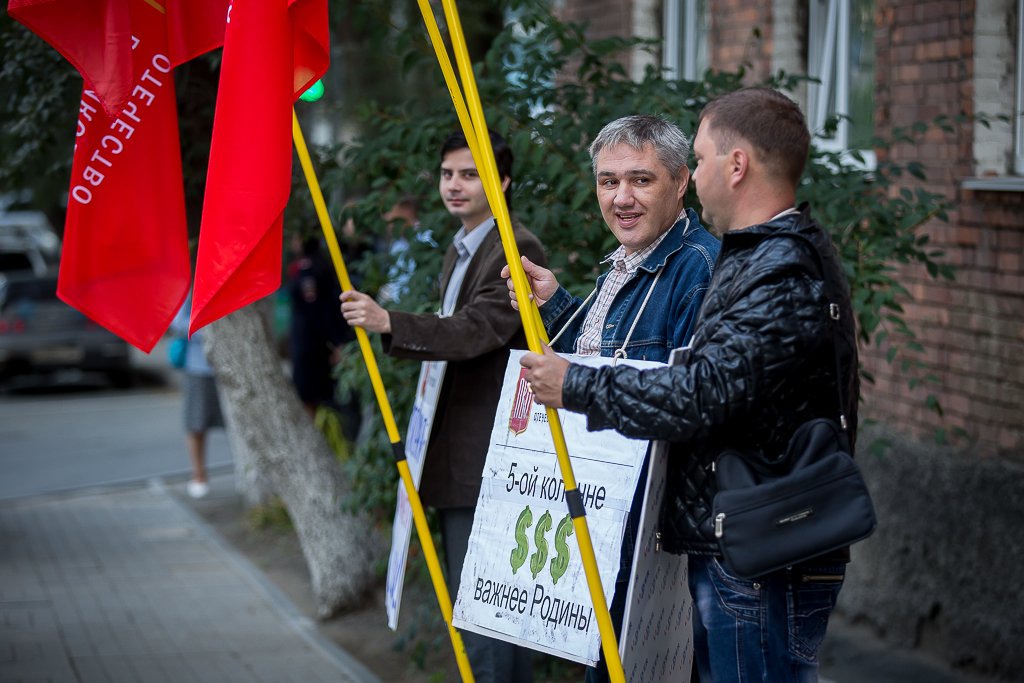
(761, 363)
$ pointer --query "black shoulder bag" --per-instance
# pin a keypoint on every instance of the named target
(811, 501)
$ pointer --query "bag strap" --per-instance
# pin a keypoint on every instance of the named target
(833, 321)
(576, 313)
(833, 314)
(621, 352)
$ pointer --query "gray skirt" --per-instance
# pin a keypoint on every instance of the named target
(200, 403)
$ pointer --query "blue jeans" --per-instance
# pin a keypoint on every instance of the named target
(768, 630)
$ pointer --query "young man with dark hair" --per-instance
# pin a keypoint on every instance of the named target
(762, 363)
(456, 141)
(474, 333)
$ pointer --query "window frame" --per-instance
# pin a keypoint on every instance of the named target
(680, 47)
(1018, 127)
(828, 38)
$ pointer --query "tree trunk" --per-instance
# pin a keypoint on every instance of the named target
(251, 479)
(282, 443)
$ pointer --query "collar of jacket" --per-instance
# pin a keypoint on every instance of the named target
(751, 236)
(492, 237)
(672, 243)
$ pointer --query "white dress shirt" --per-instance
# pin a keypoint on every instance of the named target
(466, 244)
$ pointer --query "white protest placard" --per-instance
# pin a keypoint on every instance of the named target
(657, 636)
(427, 390)
(523, 579)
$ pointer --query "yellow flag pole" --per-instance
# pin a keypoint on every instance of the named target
(483, 153)
(422, 529)
(465, 120)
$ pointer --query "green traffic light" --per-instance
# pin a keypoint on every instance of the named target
(313, 93)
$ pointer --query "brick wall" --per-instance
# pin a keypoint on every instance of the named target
(972, 329)
(732, 40)
(606, 18)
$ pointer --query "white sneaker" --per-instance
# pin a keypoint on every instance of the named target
(198, 489)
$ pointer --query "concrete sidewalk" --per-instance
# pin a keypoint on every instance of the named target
(127, 584)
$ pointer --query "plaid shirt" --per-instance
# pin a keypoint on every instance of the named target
(623, 269)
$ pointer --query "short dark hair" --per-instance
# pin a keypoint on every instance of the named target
(768, 120)
(456, 140)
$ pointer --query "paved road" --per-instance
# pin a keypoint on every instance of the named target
(54, 442)
(127, 585)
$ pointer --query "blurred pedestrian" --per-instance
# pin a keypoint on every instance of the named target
(403, 223)
(200, 404)
(317, 330)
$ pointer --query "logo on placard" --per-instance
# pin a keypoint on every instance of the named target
(520, 418)
(426, 378)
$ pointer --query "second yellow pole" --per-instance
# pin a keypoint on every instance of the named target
(420, 519)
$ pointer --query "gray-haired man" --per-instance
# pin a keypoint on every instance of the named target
(647, 303)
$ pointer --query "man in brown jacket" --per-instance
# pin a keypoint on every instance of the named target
(474, 333)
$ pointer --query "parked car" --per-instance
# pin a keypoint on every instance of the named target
(39, 333)
(27, 242)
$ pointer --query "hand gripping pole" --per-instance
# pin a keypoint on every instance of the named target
(426, 541)
(474, 125)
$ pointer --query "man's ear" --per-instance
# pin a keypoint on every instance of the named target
(505, 182)
(738, 166)
(684, 182)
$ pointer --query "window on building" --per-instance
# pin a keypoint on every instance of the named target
(685, 50)
(841, 55)
(1018, 128)
(998, 94)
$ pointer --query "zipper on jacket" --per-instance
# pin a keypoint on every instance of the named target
(821, 577)
(719, 518)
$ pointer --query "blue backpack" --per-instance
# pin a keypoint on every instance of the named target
(177, 352)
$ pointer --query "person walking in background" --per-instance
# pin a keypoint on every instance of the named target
(200, 404)
(317, 330)
(403, 227)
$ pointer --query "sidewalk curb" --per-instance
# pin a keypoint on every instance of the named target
(352, 668)
(100, 488)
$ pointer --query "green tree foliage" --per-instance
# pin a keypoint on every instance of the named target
(39, 93)
(549, 91)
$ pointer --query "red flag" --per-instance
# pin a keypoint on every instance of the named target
(94, 35)
(273, 51)
(125, 260)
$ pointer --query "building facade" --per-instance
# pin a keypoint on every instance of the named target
(888, 64)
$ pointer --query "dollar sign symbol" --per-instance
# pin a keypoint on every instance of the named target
(561, 561)
(539, 557)
(523, 546)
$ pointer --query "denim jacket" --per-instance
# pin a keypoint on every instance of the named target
(687, 256)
